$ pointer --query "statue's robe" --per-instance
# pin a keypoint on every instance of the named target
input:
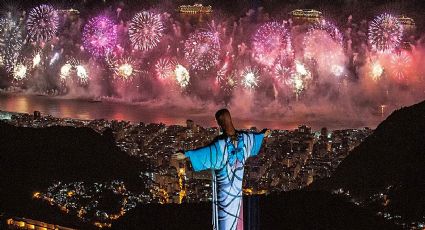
(227, 161)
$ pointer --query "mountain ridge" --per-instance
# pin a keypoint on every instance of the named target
(32, 159)
(390, 163)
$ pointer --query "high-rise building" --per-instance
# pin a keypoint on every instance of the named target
(195, 9)
(190, 124)
(409, 25)
(324, 133)
(409, 28)
(37, 115)
(301, 16)
(303, 129)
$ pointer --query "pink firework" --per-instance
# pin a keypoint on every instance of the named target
(271, 42)
(164, 68)
(202, 50)
(100, 36)
(283, 73)
(323, 43)
(318, 39)
(400, 65)
(328, 28)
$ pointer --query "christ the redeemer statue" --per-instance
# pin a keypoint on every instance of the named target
(226, 157)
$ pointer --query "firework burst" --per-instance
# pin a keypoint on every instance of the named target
(164, 68)
(300, 77)
(82, 74)
(65, 72)
(42, 23)
(81, 71)
(376, 70)
(282, 73)
(250, 77)
(20, 71)
(385, 33)
(202, 50)
(37, 58)
(271, 42)
(222, 72)
(100, 36)
(323, 43)
(74, 67)
(146, 30)
(124, 68)
(337, 70)
(228, 82)
(400, 64)
(182, 76)
(11, 42)
(328, 28)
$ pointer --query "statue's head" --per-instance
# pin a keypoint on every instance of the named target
(224, 120)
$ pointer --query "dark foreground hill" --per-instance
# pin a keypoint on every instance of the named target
(33, 159)
(291, 210)
(390, 162)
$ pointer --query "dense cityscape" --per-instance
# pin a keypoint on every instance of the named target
(290, 160)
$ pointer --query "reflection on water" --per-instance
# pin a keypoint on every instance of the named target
(86, 110)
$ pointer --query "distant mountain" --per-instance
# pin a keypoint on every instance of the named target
(391, 161)
(33, 159)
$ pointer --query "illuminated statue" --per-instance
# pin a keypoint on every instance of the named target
(226, 157)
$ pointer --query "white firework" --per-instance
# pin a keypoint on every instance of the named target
(82, 74)
(146, 30)
(385, 33)
(300, 77)
(250, 77)
(11, 42)
(65, 71)
(42, 23)
(72, 69)
(124, 68)
(20, 71)
(182, 76)
(376, 70)
(36, 59)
